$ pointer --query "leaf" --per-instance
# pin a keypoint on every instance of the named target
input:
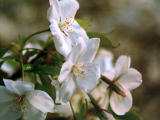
(105, 42)
(47, 86)
(131, 115)
(84, 23)
(42, 69)
(4, 50)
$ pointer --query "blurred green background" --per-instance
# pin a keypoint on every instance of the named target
(135, 24)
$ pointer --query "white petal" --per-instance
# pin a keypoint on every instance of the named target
(120, 105)
(18, 87)
(131, 80)
(101, 94)
(65, 71)
(76, 52)
(68, 89)
(54, 11)
(33, 114)
(41, 100)
(109, 116)
(8, 112)
(109, 74)
(122, 65)
(76, 31)
(64, 110)
(62, 43)
(104, 59)
(88, 77)
(88, 55)
(68, 8)
(5, 95)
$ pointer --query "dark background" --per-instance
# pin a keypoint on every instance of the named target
(135, 24)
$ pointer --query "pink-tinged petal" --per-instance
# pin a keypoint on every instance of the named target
(101, 95)
(18, 87)
(131, 80)
(120, 105)
(41, 100)
(122, 65)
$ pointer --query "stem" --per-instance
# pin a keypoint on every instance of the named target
(74, 114)
(21, 62)
(98, 107)
(115, 86)
(30, 36)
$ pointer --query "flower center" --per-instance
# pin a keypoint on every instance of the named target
(80, 71)
(66, 25)
(20, 103)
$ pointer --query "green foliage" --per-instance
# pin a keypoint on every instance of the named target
(83, 109)
(131, 115)
(46, 86)
(4, 50)
(105, 42)
(84, 23)
(42, 69)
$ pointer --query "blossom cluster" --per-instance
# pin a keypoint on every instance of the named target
(85, 68)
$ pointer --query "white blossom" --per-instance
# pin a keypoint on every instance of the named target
(79, 71)
(64, 27)
(18, 99)
(127, 79)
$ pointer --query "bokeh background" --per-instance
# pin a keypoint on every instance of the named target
(135, 24)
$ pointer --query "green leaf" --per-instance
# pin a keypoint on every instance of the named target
(4, 50)
(131, 115)
(42, 69)
(84, 23)
(105, 42)
(46, 86)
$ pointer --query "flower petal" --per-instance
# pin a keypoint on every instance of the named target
(41, 100)
(76, 51)
(62, 43)
(54, 11)
(68, 8)
(88, 76)
(68, 89)
(88, 55)
(65, 71)
(33, 114)
(76, 31)
(104, 59)
(101, 94)
(5, 95)
(18, 87)
(64, 110)
(122, 65)
(131, 80)
(120, 105)
(8, 112)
